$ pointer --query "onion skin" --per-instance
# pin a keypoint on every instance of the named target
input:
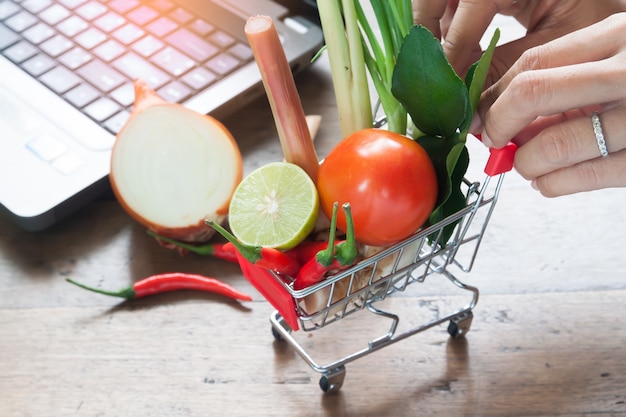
(196, 230)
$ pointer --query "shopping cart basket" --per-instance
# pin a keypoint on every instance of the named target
(392, 270)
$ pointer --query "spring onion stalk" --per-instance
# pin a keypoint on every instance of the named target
(393, 19)
(280, 87)
(348, 70)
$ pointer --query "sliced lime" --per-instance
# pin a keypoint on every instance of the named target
(274, 206)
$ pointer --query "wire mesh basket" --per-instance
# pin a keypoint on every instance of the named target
(382, 274)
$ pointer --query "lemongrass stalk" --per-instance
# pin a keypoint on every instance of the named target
(280, 87)
(361, 101)
(347, 67)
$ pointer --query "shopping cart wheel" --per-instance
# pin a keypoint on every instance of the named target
(279, 326)
(277, 334)
(332, 380)
(460, 324)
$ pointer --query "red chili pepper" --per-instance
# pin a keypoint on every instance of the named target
(216, 250)
(327, 259)
(270, 258)
(163, 283)
(307, 250)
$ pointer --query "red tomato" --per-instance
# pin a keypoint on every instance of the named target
(387, 178)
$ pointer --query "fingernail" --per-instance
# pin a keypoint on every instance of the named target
(486, 139)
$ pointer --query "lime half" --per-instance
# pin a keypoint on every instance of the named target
(275, 206)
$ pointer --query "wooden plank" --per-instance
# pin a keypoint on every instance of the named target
(526, 355)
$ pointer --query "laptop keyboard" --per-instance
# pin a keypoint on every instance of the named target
(89, 51)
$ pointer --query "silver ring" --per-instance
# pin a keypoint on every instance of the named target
(597, 129)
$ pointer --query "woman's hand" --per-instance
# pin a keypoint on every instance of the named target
(462, 23)
(545, 101)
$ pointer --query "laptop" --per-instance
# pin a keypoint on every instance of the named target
(66, 71)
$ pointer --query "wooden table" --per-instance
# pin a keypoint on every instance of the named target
(547, 339)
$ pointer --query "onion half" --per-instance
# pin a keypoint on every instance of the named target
(172, 168)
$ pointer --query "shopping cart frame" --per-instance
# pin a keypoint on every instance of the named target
(366, 284)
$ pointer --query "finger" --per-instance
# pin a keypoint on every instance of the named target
(587, 176)
(569, 143)
(550, 91)
(429, 14)
(525, 92)
(470, 21)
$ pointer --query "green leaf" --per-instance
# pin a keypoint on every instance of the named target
(427, 85)
(451, 159)
(475, 80)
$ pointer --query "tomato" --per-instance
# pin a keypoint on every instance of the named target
(389, 181)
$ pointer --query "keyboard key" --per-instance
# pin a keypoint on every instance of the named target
(35, 6)
(173, 61)
(241, 51)
(91, 10)
(199, 78)
(102, 109)
(162, 5)
(174, 92)
(7, 9)
(109, 50)
(21, 21)
(60, 79)
(221, 39)
(223, 64)
(101, 75)
(56, 45)
(38, 33)
(125, 94)
(71, 4)
(128, 33)
(47, 147)
(109, 22)
(38, 64)
(68, 163)
(201, 27)
(192, 45)
(7, 37)
(134, 66)
(72, 26)
(181, 15)
(147, 45)
(122, 6)
(115, 123)
(82, 95)
(21, 51)
(162, 26)
(90, 38)
(142, 15)
(54, 14)
(75, 57)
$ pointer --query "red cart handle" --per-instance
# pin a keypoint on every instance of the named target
(500, 160)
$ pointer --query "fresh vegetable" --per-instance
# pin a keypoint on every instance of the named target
(270, 258)
(345, 55)
(172, 168)
(221, 251)
(412, 76)
(441, 105)
(276, 205)
(162, 283)
(387, 178)
(333, 257)
(293, 131)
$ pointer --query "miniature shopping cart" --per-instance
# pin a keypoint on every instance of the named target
(392, 270)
